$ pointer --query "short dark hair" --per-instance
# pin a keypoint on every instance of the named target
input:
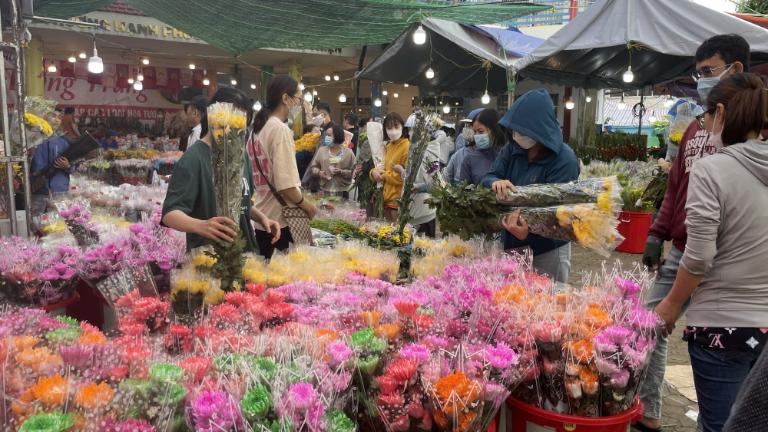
(731, 48)
(308, 128)
(323, 106)
(351, 118)
(277, 87)
(198, 102)
(338, 134)
(69, 110)
(746, 105)
(393, 119)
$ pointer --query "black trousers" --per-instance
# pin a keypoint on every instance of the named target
(264, 240)
(429, 229)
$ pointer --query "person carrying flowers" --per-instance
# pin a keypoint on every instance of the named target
(190, 204)
(535, 153)
(395, 160)
(334, 163)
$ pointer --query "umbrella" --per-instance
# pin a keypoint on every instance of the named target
(657, 38)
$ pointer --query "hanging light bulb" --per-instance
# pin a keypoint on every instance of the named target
(420, 36)
(327, 77)
(628, 76)
(342, 98)
(406, 85)
(395, 95)
(83, 55)
(206, 81)
(253, 86)
(622, 105)
(192, 66)
(140, 76)
(669, 102)
(308, 97)
(384, 92)
(131, 80)
(569, 105)
(446, 109)
(430, 73)
(52, 68)
(257, 106)
(314, 92)
(301, 86)
(336, 77)
(145, 61)
(233, 82)
(486, 99)
(72, 59)
(95, 63)
(588, 99)
(138, 86)
(377, 102)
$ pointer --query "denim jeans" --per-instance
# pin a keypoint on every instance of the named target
(651, 391)
(555, 263)
(718, 376)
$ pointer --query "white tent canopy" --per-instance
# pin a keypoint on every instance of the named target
(663, 35)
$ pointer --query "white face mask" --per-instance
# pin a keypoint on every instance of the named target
(468, 134)
(318, 120)
(523, 141)
(394, 134)
(705, 85)
(715, 139)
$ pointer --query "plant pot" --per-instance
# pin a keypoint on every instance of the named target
(634, 226)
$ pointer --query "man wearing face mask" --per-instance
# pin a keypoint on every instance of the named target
(321, 118)
(536, 154)
(716, 58)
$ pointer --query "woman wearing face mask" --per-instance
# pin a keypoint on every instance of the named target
(334, 163)
(723, 269)
(395, 160)
(489, 139)
(536, 154)
(272, 153)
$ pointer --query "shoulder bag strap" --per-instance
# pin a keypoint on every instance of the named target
(258, 165)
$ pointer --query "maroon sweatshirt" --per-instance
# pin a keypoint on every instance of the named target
(670, 222)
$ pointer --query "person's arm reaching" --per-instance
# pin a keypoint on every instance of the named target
(271, 226)
(499, 167)
(217, 228)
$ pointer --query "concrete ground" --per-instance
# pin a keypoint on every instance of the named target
(680, 408)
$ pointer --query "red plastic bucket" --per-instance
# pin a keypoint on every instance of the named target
(634, 226)
(528, 418)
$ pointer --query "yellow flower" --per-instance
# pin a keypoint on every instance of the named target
(202, 260)
(237, 121)
(38, 123)
(308, 142)
(214, 297)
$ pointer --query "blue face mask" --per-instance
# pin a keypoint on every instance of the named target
(327, 140)
(482, 141)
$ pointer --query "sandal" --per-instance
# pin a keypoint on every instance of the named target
(640, 427)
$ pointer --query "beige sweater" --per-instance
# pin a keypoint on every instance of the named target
(341, 159)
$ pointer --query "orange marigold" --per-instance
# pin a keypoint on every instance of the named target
(370, 318)
(38, 359)
(597, 316)
(582, 350)
(509, 294)
(456, 391)
(466, 421)
(92, 338)
(388, 331)
(94, 396)
(51, 390)
(22, 343)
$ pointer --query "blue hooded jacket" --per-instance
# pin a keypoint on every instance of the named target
(533, 115)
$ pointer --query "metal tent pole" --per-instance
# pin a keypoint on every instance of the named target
(20, 107)
(8, 159)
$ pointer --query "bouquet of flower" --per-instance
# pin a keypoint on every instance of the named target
(228, 127)
(77, 216)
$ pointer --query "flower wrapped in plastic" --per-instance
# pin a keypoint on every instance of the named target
(583, 211)
(227, 125)
(77, 216)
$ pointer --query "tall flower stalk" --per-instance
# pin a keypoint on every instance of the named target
(228, 127)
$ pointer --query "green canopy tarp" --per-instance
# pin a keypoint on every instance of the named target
(240, 26)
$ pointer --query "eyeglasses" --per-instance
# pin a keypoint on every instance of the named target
(708, 71)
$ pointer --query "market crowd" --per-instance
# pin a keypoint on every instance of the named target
(715, 212)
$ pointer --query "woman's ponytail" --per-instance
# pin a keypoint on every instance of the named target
(277, 87)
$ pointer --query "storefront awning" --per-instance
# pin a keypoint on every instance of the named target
(240, 26)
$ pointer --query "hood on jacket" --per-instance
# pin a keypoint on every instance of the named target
(533, 115)
(753, 156)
